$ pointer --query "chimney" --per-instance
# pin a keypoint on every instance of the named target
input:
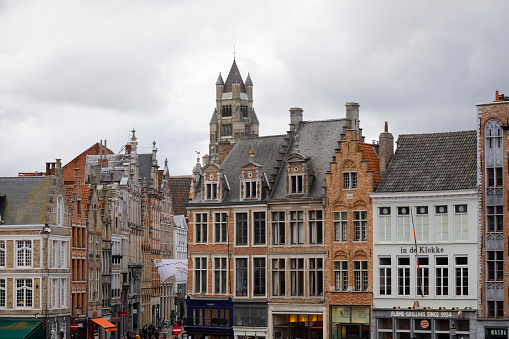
(352, 114)
(386, 149)
(224, 148)
(496, 96)
(206, 160)
(295, 118)
(127, 149)
(102, 154)
(50, 168)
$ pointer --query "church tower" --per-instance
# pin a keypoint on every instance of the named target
(234, 117)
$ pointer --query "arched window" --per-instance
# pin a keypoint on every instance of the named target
(60, 210)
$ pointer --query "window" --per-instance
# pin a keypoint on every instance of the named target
(278, 277)
(278, 228)
(384, 224)
(441, 225)
(340, 226)
(241, 277)
(24, 293)
(259, 228)
(241, 229)
(220, 274)
(297, 227)
(296, 184)
(341, 275)
(201, 227)
(2, 253)
(316, 227)
(403, 220)
(360, 270)
(54, 292)
(495, 265)
(211, 191)
(200, 275)
(221, 227)
(297, 276)
(60, 210)
(2, 293)
(461, 275)
(226, 111)
(250, 189)
(495, 216)
(422, 223)
(495, 309)
(494, 176)
(350, 180)
(385, 276)
(460, 222)
(259, 280)
(404, 276)
(442, 275)
(64, 250)
(423, 284)
(226, 130)
(24, 253)
(63, 293)
(316, 277)
(360, 224)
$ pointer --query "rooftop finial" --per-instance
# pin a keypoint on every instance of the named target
(252, 153)
(233, 52)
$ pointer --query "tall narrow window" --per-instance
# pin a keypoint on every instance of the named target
(259, 280)
(241, 277)
(341, 275)
(340, 226)
(226, 130)
(316, 277)
(350, 180)
(461, 275)
(278, 277)
(441, 225)
(403, 220)
(278, 228)
(200, 275)
(64, 252)
(495, 217)
(297, 276)
(24, 253)
(2, 293)
(201, 225)
(250, 189)
(220, 271)
(442, 275)
(24, 293)
(296, 184)
(360, 269)
(63, 293)
(220, 227)
(422, 223)
(495, 309)
(460, 222)
(385, 276)
(211, 189)
(297, 227)
(241, 229)
(2, 253)
(259, 228)
(384, 224)
(495, 265)
(423, 284)
(360, 224)
(315, 227)
(404, 276)
(60, 210)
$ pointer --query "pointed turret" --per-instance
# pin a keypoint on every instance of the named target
(219, 87)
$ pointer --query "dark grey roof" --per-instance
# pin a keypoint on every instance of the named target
(219, 81)
(145, 161)
(25, 200)
(213, 119)
(317, 140)
(253, 119)
(432, 162)
(249, 82)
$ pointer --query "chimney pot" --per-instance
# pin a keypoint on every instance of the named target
(496, 96)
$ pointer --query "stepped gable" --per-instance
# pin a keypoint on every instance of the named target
(432, 162)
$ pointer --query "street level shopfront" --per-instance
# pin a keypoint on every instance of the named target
(350, 322)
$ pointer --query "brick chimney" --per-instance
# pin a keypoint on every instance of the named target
(224, 148)
(386, 149)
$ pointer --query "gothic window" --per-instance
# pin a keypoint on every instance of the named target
(226, 111)
(226, 130)
(243, 112)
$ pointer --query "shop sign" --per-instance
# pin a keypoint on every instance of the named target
(350, 314)
(496, 333)
(360, 315)
(424, 324)
(421, 314)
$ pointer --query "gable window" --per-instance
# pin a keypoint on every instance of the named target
(278, 277)
(341, 275)
(211, 191)
(2, 253)
(461, 266)
(340, 226)
(422, 223)
(278, 228)
(24, 293)
(360, 270)
(220, 271)
(241, 229)
(220, 227)
(297, 227)
(250, 189)
(460, 222)
(315, 276)
(423, 285)
(200, 275)
(385, 276)
(441, 225)
(201, 225)
(296, 184)
(315, 227)
(442, 275)
(24, 253)
(259, 228)
(360, 224)
(403, 221)
(259, 279)
(384, 224)
(350, 180)
(297, 276)
(241, 277)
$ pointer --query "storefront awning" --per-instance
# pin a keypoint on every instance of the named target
(108, 327)
(21, 328)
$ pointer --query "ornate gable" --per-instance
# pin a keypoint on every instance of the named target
(211, 188)
(251, 181)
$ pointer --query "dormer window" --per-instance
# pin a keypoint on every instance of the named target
(350, 180)
(250, 180)
(296, 184)
(211, 191)
(250, 189)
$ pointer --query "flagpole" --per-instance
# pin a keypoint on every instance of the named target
(416, 252)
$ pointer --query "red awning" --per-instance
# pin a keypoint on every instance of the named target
(108, 327)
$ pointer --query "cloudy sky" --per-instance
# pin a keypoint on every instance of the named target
(76, 72)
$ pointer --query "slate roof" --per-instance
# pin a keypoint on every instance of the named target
(432, 162)
(234, 76)
(179, 190)
(25, 199)
(317, 140)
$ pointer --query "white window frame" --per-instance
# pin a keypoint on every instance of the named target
(264, 276)
(441, 223)
(24, 293)
(340, 226)
(384, 224)
(60, 210)
(220, 225)
(460, 222)
(198, 273)
(245, 283)
(54, 292)
(24, 253)
(403, 223)
(360, 270)
(460, 274)
(201, 225)
(341, 275)
(349, 180)
(385, 269)
(221, 273)
(403, 277)
(3, 293)
(63, 293)
(360, 222)
(422, 223)
(424, 276)
(3, 257)
(441, 276)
